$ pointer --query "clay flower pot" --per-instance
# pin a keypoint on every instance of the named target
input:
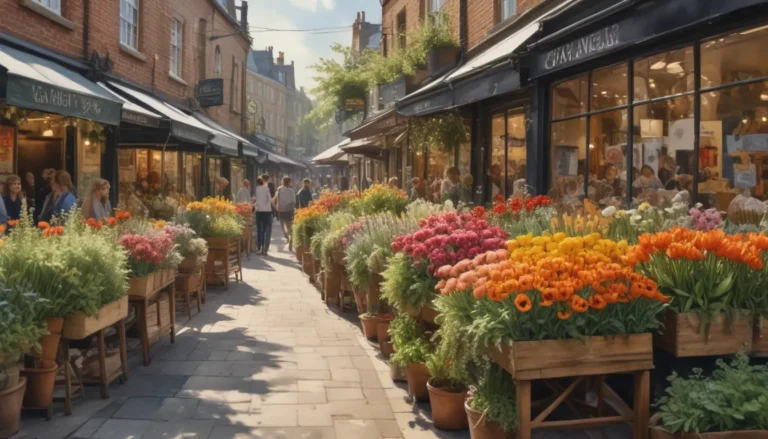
(382, 327)
(40, 381)
(396, 372)
(481, 428)
(417, 375)
(10, 408)
(447, 406)
(369, 324)
(387, 349)
(191, 264)
(50, 343)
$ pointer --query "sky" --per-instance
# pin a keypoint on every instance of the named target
(305, 48)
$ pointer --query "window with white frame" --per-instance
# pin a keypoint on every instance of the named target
(436, 5)
(53, 5)
(508, 8)
(129, 23)
(176, 40)
(217, 63)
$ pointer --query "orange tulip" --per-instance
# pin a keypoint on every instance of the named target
(563, 315)
(523, 303)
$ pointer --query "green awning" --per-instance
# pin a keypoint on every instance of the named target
(31, 82)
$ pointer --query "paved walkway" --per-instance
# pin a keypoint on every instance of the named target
(266, 359)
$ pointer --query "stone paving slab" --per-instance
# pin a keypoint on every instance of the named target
(265, 360)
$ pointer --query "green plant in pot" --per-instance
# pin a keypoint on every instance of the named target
(412, 350)
(406, 287)
(491, 405)
(446, 393)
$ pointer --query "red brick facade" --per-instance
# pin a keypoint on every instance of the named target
(150, 65)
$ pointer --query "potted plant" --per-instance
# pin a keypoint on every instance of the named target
(216, 220)
(147, 253)
(20, 331)
(435, 37)
(446, 393)
(491, 406)
(191, 248)
(730, 403)
(413, 356)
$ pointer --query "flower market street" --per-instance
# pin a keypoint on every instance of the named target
(265, 359)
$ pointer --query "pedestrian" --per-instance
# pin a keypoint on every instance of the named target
(244, 194)
(66, 200)
(42, 191)
(305, 194)
(418, 190)
(12, 197)
(394, 182)
(272, 191)
(285, 202)
(263, 216)
(96, 204)
(221, 188)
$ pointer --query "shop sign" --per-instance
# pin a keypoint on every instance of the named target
(28, 93)
(584, 47)
(354, 104)
(188, 133)
(430, 104)
(139, 119)
(210, 92)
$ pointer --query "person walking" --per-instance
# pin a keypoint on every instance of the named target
(285, 203)
(96, 204)
(12, 197)
(263, 216)
(305, 194)
(272, 191)
(244, 194)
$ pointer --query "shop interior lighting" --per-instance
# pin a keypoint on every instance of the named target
(764, 97)
(659, 65)
(751, 31)
(674, 68)
(48, 133)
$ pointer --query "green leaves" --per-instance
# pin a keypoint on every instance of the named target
(443, 132)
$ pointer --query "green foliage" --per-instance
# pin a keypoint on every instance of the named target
(409, 341)
(379, 199)
(444, 132)
(82, 270)
(458, 344)
(405, 286)
(495, 396)
(733, 398)
(224, 227)
(21, 327)
(332, 240)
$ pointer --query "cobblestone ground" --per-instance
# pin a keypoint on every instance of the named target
(265, 359)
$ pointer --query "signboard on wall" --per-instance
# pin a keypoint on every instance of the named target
(210, 92)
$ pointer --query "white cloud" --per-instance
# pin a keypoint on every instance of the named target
(311, 5)
(328, 4)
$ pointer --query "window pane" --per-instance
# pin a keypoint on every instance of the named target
(568, 155)
(438, 162)
(663, 150)
(171, 174)
(569, 97)
(664, 74)
(89, 158)
(609, 87)
(497, 178)
(734, 135)
(508, 8)
(515, 153)
(192, 176)
(734, 57)
(607, 158)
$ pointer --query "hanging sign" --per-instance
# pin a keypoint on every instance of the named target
(210, 92)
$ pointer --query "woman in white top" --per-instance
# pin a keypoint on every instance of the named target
(285, 203)
(263, 216)
(244, 194)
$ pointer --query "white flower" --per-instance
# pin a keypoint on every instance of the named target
(609, 211)
(635, 218)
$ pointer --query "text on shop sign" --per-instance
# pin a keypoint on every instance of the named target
(591, 44)
(65, 99)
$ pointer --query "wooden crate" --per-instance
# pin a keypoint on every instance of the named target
(77, 325)
(187, 283)
(760, 338)
(585, 363)
(684, 335)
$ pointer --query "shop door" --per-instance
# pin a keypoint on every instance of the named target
(36, 154)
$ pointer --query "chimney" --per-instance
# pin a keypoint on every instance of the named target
(244, 15)
(280, 58)
(357, 20)
(363, 17)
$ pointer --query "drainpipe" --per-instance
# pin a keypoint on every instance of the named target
(86, 28)
(463, 32)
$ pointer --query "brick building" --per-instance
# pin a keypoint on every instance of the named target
(148, 55)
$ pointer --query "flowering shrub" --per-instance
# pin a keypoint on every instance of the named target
(448, 238)
(21, 323)
(213, 218)
(380, 198)
(185, 240)
(705, 220)
(706, 272)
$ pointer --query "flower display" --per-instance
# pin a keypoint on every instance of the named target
(705, 220)
(146, 253)
(380, 198)
(448, 238)
(213, 217)
(244, 209)
(186, 240)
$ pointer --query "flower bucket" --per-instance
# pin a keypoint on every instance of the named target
(396, 372)
(657, 433)
(187, 283)
(481, 428)
(369, 324)
(428, 314)
(40, 381)
(417, 375)
(382, 327)
(50, 343)
(447, 408)
(308, 262)
(299, 252)
(191, 263)
(10, 408)
(143, 286)
(217, 243)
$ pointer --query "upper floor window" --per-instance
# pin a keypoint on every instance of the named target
(223, 3)
(436, 5)
(508, 9)
(401, 26)
(217, 63)
(281, 77)
(176, 39)
(53, 5)
(129, 23)
(235, 86)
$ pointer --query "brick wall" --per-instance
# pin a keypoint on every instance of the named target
(148, 66)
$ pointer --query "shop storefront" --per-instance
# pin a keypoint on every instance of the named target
(51, 116)
(655, 99)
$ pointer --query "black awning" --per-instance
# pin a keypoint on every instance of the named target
(494, 82)
(439, 100)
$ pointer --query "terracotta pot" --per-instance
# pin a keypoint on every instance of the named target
(142, 286)
(369, 324)
(447, 408)
(417, 375)
(382, 328)
(299, 252)
(396, 372)
(387, 349)
(40, 381)
(428, 314)
(10, 408)
(50, 343)
(484, 429)
(360, 301)
(656, 433)
(9, 375)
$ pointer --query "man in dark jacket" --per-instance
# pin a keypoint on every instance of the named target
(305, 194)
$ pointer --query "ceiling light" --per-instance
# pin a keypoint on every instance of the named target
(653, 85)
(659, 65)
(764, 97)
(87, 143)
(674, 68)
(765, 119)
(744, 121)
(48, 133)
(603, 92)
(591, 146)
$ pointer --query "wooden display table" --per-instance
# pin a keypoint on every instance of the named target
(78, 326)
(142, 303)
(586, 362)
(247, 239)
(192, 284)
(223, 261)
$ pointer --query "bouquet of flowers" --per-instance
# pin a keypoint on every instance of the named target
(147, 253)
(520, 215)
(213, 217)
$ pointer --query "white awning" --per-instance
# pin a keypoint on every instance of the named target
(131, 110)
(332, 153)
(226, 140)
(183, 125)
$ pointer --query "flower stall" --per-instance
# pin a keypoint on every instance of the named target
(217, 221)
(190, 278)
